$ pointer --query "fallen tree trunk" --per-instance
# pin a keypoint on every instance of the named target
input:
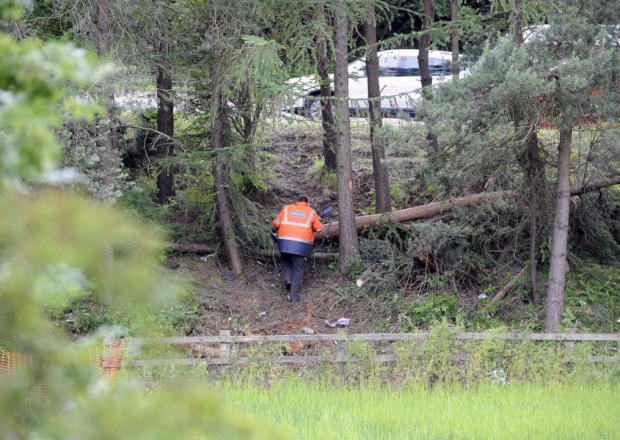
(437, 208)
(198, 248)
(416, 213)
(594, 186)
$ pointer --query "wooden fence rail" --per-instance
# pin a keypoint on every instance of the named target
(225, 339)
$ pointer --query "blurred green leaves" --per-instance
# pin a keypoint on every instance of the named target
(55, 245)
(33, 77)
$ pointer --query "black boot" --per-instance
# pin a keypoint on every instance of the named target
(295, 296)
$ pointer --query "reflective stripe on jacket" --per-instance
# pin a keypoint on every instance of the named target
(296, 225)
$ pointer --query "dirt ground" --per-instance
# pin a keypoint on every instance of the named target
(255, 302)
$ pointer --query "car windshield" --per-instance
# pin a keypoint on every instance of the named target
(408, 66)
(392, 66)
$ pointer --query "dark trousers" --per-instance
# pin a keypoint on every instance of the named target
(293, 269)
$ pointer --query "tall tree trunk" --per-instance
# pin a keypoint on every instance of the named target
(454, 37)
(380, 172)
(109, 158)
(426, 77)
(518, 24)
(165, 125)
(103, 27)
(221, 185)
(348, 241)
(558, 265)
(327, 112)
(425, 43)
(535, 174)
(535, 171)
(109, 153)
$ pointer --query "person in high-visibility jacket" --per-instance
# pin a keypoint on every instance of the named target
(294, 228)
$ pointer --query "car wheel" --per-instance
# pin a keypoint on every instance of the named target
(313, 108)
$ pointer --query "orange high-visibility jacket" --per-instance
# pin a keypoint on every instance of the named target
(296, 225)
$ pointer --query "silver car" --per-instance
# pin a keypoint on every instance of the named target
(399, 81)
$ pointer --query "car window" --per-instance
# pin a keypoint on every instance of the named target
(439, 66)
(391, 66)
(398, 66)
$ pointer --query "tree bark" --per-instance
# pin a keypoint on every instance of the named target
(416, 213)
(348, 240)
(518, 24)
(327, 112)
(199, 248)
(103, 28)
(380, 172)
(557, 268)
(221, 184)
(165, 125)
(534, 246)
(508, 286)
(425, 43)
(436, 208)
(594, 186)
(454, 37)
(109, 157)
(426, 77)
(535, 170)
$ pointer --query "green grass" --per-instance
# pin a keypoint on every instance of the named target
(322, 411)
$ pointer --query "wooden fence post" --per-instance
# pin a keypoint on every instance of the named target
(342, 348)
(341, 353)
(569, 346)
(224, 346)
(109, 338)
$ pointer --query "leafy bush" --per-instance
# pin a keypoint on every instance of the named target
(354, 268)
(593, 298)
(182, 317)
(84, 314)
(138, 199)
(429, 310)
(380, 275)
(594, 226)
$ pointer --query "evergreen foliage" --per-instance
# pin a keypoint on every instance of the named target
(55, 246)
(565, 71)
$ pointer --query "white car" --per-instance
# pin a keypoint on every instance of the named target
(399, 81)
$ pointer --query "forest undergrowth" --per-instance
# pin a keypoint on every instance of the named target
(409, 275)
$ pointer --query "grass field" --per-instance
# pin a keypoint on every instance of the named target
(320, 411)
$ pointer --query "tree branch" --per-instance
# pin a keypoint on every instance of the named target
(508, 286)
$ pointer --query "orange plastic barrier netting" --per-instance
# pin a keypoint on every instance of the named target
(13, 365)
(108, 358)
